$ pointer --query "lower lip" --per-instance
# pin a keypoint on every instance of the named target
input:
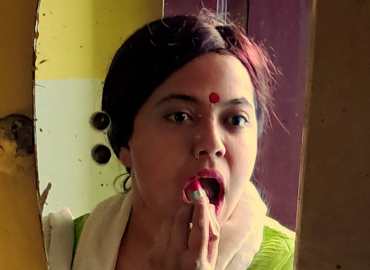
(218, 208)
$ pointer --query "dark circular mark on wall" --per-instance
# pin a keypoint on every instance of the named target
(100, 120)
(19, 128)
(338, 266)
(101, 154)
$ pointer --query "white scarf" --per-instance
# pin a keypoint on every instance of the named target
(240, 238)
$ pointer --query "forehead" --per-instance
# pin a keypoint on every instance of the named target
(211, 73)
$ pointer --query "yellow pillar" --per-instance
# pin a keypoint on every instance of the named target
(21, 244)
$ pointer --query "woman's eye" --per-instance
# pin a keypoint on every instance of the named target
(178, 117)
(238, 120)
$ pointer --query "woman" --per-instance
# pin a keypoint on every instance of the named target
(187, 97)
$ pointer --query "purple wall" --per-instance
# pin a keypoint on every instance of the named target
(284, 26)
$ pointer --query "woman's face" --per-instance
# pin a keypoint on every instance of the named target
(179, 134)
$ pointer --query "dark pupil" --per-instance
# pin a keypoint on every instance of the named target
(236, 120)
(179, 117)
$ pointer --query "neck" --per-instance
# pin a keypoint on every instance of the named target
(142, 226)
(138, 238)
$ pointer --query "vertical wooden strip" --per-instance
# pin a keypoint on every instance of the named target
(334, 202)
(21, 245)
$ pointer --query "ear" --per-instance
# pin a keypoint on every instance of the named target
(125, 157)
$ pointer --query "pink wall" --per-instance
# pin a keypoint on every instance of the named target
(284, 26)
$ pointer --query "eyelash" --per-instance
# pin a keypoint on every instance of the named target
(229, 120)
(172, 117)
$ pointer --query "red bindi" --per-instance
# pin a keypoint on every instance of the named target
(214, 97)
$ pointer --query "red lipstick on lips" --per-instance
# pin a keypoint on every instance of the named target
(218, 177)
(209, 176)
(194, 190)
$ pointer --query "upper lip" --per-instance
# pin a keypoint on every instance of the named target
(210, 174)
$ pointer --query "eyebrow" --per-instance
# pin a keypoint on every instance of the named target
(186, 98)
(238, 101)
(180, 97)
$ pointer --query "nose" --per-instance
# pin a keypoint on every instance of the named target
(209, 140)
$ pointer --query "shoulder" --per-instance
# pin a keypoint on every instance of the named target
(112, 204)
(277, 250)
(58, 231)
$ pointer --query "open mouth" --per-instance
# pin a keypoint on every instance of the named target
(212, 188)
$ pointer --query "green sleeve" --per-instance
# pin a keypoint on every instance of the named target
(277, 250)
(78, 224)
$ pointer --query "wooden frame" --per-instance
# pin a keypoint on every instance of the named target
(334, 202)
(21, 245)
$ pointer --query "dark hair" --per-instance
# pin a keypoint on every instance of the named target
(147, 58)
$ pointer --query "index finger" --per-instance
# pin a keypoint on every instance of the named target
(180, 229)
(199, 235)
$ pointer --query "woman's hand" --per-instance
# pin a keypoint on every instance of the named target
(181, 247)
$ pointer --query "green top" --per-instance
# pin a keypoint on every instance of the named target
(276, 253)
(277, 250)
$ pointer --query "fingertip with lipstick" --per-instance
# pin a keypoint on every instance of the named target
(194, 192)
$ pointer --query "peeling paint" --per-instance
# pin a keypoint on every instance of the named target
(18, 128)
(16, 144)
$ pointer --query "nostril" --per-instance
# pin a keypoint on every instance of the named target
(219, 153)
(203, 152)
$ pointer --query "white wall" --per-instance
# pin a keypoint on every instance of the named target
(65, 139)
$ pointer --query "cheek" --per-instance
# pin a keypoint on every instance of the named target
(156, 158)
(242, 164)
(243, 152)
(146, 159)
